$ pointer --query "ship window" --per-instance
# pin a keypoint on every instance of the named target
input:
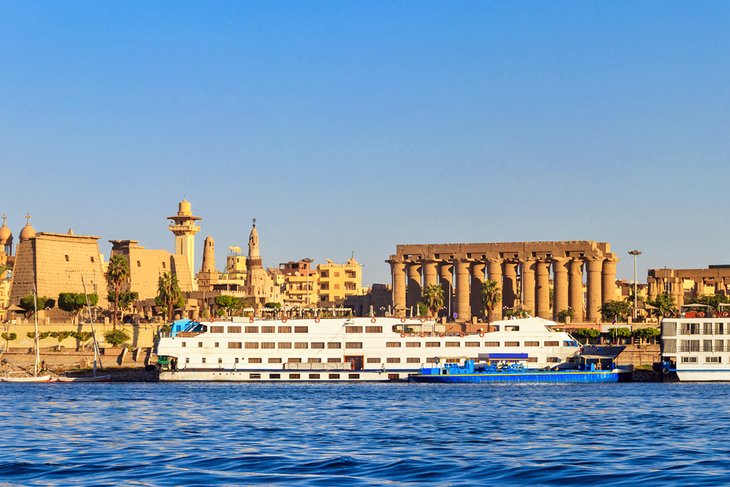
(690, 346)
(452, 344)
(301, 329)
(413, 360)
(317, 345)
(373, 360)
(431, 360)
(532, 359)
(314, 360)
(274, 376)
(393, 376)
(393, 360)
(511, 328)
(670, 328)
(392, 344)
(547, 344)
(255, 375)
(200, 344)
(553, 359)
(670, 345)
(314, 376)
(353, 344)
(268, 345)
(719, 329)
(275, 360)
(187, 360)
(712, 360)
(301, 345)
(353, 329)
(216, 329)
(353, 376)
(334, 376)
(295, 376)
(183, 344)
(217, 344)
(472, 344)
(718, 346)
(491, 344)
(413, 344)
(707, 345)
(334, 360)
(294, 360)
(220, 360)
(433, 344)
(251, 329)
(284, 345)
(268, 329)
(707, 328)
(254, 360)
(373, 329)
(689, 360)
(234, 329)
(236, 359)
(285, 329)
(234, 344)
(252, 345)
(334, 345)
(532, 344)
(202, 361)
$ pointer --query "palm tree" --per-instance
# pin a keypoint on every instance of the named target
(117, 275)
(433, 298)
(168, 292)
(491, 296)
(664, 304)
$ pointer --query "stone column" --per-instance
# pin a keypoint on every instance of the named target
(542, 275)
(678, 288)
(446, 280)
(494, 270)
(430, 272)
(414, 286)
(576, 289)
(477, 281)
(608, 280)
(652, 288)
(594, 266)
(398, 268)
(560, 285)
(462, 290)
(528, 285)
(509, 286)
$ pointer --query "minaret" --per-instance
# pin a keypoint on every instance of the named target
(6, 239)
(254, 255)
(184, 228)
(208, 255)
(255, 273)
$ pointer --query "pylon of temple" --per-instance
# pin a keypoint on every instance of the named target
(523, 270)
(184, 228)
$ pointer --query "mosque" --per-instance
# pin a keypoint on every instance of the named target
(54, 263)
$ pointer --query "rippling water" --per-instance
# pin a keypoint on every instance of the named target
(363, 434)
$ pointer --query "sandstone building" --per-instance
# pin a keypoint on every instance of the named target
(682, 284)
(522, 269)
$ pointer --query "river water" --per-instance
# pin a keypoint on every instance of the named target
(364, 434)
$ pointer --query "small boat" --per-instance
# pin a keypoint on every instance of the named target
(97, 378)
(37, 378)
(509, 368)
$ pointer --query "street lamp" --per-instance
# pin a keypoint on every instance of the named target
(635, 253)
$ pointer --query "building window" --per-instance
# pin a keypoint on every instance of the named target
(139, 264)
(92, 259)
(164, 266)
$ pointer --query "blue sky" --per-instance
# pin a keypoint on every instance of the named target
(351, 127)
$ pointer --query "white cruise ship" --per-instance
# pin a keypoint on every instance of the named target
(346, 349)
(697, 345)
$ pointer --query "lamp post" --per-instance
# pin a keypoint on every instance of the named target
(635, 253)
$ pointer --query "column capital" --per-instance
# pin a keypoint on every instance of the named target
(495, 260)
(560, 260)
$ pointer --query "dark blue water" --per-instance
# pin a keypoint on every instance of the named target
(361, 434)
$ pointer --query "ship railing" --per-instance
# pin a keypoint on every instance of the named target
(694, 348)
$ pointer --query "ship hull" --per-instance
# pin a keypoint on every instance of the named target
(536, 377)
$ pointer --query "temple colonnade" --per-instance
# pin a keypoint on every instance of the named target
(525, 272)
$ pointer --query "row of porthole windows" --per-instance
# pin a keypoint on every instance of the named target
(359, 345)
(370, 360)
(470, 344)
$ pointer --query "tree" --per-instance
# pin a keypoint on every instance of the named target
(82, 337)
(117, 277)
(433, 298)
(125, 299)
(586, 334)
(713, 300)
(619, 332)
(169, 294)
(229, 303)
(9, 336)
(646, 334)
(664, 305)
(272, 305)
(60, 336)
(615, 310)
(116, 337)
(565, 314)
(75, 302)
(491, 297)
(42, 302)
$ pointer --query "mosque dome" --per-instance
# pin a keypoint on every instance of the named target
(5, 234)
(27, 232)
